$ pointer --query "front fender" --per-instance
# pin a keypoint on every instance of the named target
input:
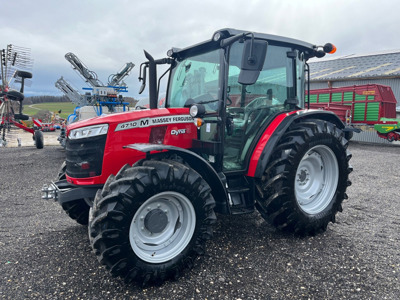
(199, 164)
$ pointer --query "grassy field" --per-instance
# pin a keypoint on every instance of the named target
(66, 108)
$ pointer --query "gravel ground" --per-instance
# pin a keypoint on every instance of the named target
(45, 255)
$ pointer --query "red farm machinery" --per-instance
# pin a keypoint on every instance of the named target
(372, 105)
(234, 137)
(14, 63)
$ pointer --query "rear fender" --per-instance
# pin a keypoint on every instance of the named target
(196, 162)
(268, 141)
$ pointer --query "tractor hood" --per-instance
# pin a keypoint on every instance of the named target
(127, 120)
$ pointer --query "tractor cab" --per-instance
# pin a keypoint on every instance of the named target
(235, 85)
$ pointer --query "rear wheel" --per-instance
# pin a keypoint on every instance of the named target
(305, 183)
(151, 220)
(38, 138)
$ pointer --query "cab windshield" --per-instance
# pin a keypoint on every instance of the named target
(195, 80)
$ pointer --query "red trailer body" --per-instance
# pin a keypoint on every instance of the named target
(358, 104)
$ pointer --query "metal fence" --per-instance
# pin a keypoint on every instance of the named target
(370, 136)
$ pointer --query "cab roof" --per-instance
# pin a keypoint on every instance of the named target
(228, 32)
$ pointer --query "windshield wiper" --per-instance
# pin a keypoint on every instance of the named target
(209, 101)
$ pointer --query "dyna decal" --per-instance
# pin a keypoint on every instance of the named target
(178, 131)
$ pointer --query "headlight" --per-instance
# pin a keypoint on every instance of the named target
(193, 111)
(88, 131)
(217, 36)
(197, 110)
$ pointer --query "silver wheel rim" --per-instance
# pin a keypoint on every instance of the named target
(162, 227)
(316, 179)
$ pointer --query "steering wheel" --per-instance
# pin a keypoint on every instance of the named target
(256, 103)
(258, 106)
(255, 108)
(262, 109)
(236, 110)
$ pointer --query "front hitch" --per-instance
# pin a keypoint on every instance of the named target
(63, 192)
(49, 192)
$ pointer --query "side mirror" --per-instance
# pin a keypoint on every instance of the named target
(254, 52)
(143, 79)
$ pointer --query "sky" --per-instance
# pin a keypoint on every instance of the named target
(106, 34)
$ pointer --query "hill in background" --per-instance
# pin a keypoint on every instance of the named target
(51, 99)
(44, 107)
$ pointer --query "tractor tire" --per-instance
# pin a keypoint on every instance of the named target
(15, 95)
(304, 185)
(77, 210)
(151, 221)
(38, 138)
(21, 117)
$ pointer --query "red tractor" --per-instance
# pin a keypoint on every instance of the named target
(233, 137)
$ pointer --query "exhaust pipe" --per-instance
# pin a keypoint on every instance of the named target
(153, 101)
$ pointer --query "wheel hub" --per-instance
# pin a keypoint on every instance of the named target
(303, 176)
(156, 221)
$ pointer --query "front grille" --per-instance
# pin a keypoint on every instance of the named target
(85, 156)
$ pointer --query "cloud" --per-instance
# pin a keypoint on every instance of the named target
(107, 34)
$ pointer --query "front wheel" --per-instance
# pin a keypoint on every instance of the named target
(305, 183)
(151, 220)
